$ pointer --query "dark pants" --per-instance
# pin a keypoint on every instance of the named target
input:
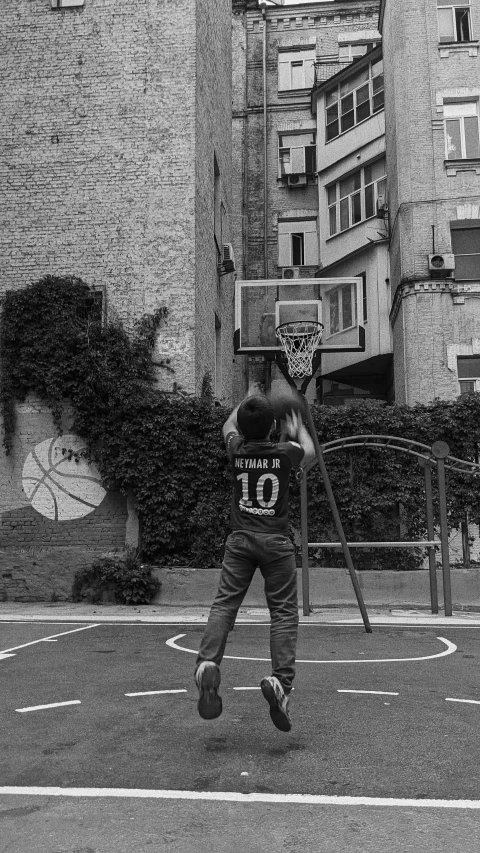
(273, 553)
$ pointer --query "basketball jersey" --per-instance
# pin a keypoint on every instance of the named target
(261, 472)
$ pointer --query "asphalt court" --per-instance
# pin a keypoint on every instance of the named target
(392, 714)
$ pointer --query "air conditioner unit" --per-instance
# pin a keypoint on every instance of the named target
(66, 4)
(297, 180)
(441, 264)
(291, 272)
(228, 258)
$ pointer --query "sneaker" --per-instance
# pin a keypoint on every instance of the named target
(207, 678)
(278, 701)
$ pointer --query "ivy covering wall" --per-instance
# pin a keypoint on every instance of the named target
(167, 450)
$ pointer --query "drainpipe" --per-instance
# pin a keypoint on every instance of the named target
(262, 4)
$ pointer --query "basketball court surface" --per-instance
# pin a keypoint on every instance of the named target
(103, 750)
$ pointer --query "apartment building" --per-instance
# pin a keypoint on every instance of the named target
(353, 226)
(432, 92)
(285, 170)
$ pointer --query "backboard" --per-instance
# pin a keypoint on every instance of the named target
(263, 304)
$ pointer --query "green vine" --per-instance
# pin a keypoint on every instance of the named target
(166, 448)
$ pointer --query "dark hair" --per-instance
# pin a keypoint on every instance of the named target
(255, 417)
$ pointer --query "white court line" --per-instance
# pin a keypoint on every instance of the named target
(46, 639)
(246, 688)
(43, 707)
(156, 692)
(466, 701)
(372, 692)
(237, 797)
(451, 648)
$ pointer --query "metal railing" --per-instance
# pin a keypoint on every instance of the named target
(325, 70)
(438, 455)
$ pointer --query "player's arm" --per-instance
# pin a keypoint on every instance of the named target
(231, 424)
(297, 431)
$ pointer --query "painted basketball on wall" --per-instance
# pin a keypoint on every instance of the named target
(59, 482)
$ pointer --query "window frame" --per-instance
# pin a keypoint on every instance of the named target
(368, 45)
(464, 225)
(283, 172)
(291, 230)
(463, 380)
(304, 56)
(350, 312)
(359, 192)
(453, 5)
(353, 93)
(461, 120)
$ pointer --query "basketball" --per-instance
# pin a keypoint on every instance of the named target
(59, 482)
(285, 400)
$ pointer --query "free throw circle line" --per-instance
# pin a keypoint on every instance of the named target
(451, 648)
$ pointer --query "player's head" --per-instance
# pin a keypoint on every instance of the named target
(255, 417)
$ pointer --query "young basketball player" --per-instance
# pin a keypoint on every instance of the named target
(259, 537)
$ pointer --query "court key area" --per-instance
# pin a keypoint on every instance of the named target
(103, 716)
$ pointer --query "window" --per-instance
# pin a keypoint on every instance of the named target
(341, 309)
(461, 130)
(93, 308)
(296, 154)
(349, 52)
(354, 198)
(468, 369)
(297, 242)
(454, 22)
(363, 276)
(465, 235)
(354, 100)
(296, 69)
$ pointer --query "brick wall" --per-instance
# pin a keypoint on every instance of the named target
(111, 114)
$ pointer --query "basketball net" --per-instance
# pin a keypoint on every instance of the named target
(299, 341)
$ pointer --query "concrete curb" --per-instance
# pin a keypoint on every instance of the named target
(328, 588)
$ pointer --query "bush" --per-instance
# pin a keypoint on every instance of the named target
(167, 449)
(125, 580)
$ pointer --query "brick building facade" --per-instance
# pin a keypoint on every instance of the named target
(115, 167)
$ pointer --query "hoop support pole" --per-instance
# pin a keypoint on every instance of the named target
(328, 488)
(447, 588)
(432, 567)
(338, 522)
(304, 537)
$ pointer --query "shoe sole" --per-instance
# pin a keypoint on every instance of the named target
(278, 717)
(210, 703)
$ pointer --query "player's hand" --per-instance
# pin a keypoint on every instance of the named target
(292, 424)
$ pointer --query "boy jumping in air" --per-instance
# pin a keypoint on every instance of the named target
(259, 537)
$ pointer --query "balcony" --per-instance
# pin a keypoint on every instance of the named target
(325, 70)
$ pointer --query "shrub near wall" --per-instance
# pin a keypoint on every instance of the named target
(167, 450)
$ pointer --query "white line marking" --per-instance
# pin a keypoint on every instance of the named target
(466, 701)
(156, 692)
(245, 688)
(44, 639)
(451, 648)
(372, 692)
(3, 657)
(43, 707)
(237, 797)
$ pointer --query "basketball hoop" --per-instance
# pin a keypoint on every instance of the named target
(299, 341)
